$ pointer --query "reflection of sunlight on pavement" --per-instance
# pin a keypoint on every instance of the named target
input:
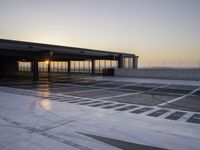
(46, 93)
(46, 104)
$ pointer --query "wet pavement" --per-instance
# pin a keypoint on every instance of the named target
(108, 108)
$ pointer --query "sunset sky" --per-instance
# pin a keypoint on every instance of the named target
(161, 32)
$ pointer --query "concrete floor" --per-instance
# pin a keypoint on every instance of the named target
(137, 113)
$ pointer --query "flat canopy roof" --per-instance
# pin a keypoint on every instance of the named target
(30, 50)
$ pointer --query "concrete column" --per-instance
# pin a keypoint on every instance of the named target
(2, 68)
(49, 66)
(120, 61)
(69, 66)
(35, 70)
(93, 66)
(135, 62)
(49, 70)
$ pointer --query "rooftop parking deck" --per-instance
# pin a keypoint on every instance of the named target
(114, 101)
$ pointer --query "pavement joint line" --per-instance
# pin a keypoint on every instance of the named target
(88, 86)
(140, 92)
(98, 84)
(122, 95)
(103, 83)
(186, 111)
(160, 87)
(70, 84)
(178, 94)
(126, 85)
(83, 91)
(45, 134)
(101, 88)
(179, 98)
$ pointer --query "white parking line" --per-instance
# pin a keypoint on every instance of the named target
(185, 117)
(126, 85)
(179, 98)
(122, 95)
(128, 94)
(167, 114)
(139, 107)
(83, 91)
(100, 88)
(150, 111)
(103, 83)
(159, 87)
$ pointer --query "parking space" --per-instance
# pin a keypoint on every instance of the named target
(197, 93)
(190, 103)
(151, 99)
(112, 84)
(142, 86)
(100, 94)
(169, 101)
(68, 89)
(177, 89)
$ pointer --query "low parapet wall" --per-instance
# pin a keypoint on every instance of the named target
(179, 74)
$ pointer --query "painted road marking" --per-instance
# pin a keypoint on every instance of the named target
(68, 99)
(176, 115)
(113, 106)
(170, 114)
(77, 101)
(86, 103)
(141, 110)
(158, 113)
(122, 95)
(127, 108)
(194, 119)
(101, 104)
(179, 98)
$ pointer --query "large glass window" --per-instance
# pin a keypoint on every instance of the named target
(103, 64)
(59, 66)
(76, 66)
(128, 62)
(81, 66)
(43, 66)
(24, 66)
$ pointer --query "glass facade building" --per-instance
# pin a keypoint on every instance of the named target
(38, 57)
(76, 66)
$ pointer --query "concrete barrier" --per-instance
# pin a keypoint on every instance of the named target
(179, 74)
